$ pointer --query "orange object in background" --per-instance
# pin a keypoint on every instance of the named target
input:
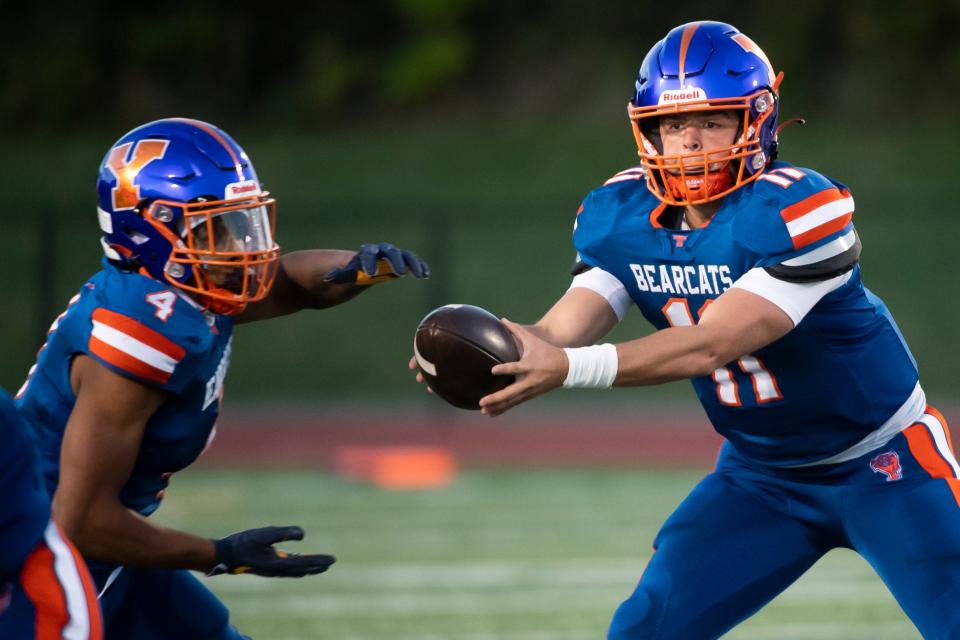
(397, 467)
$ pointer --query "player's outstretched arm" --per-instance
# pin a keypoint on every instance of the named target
(737, 323)
(100, 446)
(322, 278)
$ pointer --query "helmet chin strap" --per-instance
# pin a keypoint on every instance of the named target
(218, 303)
(700, 186)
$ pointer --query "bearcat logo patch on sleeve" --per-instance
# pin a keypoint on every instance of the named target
(887, 463)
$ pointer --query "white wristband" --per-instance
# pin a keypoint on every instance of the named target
(591, 367)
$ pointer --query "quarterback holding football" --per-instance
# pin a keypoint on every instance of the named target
(748, 267)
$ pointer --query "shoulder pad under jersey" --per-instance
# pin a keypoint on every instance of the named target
(795, 217)
(625, 194)
(632, 174)
(146, 330)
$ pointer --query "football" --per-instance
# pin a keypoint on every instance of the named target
(455, 347)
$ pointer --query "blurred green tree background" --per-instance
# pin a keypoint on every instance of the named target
(466, 130)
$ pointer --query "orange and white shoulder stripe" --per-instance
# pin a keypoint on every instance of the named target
(132, 346)
(817, 216)
(56, 581)
(633, 173)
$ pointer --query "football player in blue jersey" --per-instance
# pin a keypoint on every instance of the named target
(748, 266)
(45, 588)
(127, 388)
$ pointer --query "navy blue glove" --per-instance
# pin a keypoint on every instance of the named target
(378, 262)
(252, 551)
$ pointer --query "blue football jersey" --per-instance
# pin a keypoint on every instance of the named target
(838, 376)
(25, 505)
(149, 332)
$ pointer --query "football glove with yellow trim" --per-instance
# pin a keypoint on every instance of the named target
(377, 262)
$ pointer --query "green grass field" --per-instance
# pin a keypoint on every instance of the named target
(499, 555)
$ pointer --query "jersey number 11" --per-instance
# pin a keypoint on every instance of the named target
(677, 312)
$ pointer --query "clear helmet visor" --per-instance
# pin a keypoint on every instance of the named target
(223, 233)
(224, 251)
(228, 246)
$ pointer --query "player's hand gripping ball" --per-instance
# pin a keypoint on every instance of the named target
(456, 346)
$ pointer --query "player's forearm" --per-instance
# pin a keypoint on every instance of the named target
(558, 336)
(307, 270)
(676, 353)
(579, 318)
(118, 535)
(301, 284)
(546, 334)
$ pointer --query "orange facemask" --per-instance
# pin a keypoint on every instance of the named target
(710, 174)
(223, 252)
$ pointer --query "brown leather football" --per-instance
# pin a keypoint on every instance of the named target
(456, 345)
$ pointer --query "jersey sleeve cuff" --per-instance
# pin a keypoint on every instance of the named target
(796, 299)
(605, 284)
(832, 259)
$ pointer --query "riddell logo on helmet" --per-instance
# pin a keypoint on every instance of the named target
(682, 95)
(241, 189)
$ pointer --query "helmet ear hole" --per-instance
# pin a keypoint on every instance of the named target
(135, 236)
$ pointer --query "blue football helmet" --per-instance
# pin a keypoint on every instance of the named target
(180, 201)
(705, 66)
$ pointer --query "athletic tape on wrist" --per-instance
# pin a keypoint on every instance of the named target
(591, 367)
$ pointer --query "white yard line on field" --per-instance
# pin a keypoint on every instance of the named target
(572, 572)
(420, 603)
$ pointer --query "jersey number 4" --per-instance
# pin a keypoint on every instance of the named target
(163, 301)
(677, 312)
